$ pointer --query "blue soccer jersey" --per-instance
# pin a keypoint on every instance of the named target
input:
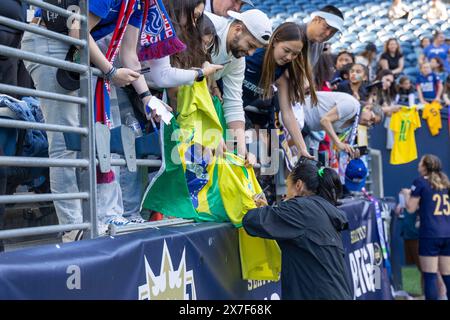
(108, 12)
(434, 209)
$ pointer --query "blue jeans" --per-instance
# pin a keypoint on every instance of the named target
(130, 182)
(62, 180)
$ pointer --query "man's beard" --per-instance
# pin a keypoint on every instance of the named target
(234, 48)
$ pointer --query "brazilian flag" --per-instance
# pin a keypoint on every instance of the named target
(194, 183)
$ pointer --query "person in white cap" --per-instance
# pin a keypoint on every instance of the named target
(239, 37)
(322, 27)
(221, 7)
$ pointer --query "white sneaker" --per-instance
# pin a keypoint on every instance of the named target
(71, 236)
(137, 220)
(118, 221)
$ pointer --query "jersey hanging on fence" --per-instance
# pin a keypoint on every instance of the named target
(432, 113)
(403, 124)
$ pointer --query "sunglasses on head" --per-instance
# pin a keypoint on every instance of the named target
(304, 160)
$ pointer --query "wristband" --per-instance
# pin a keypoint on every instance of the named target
(144, 94)
(200, 76)
(110, 74)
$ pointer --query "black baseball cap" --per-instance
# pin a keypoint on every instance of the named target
(67, 79)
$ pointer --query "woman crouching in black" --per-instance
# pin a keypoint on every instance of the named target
(307, 227)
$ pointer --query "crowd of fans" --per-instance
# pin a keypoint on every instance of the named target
(285, 79)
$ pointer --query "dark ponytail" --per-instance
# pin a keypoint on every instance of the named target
(330, 186)
(324, 182)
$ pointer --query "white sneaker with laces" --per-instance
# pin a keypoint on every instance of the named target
(137, 220)
(118, 221)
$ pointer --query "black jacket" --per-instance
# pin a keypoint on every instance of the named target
(307, 230)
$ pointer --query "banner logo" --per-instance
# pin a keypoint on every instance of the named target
(170, 284)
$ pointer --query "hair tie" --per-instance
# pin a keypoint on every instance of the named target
(320, 172)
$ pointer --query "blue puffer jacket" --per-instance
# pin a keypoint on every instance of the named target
(35, 143)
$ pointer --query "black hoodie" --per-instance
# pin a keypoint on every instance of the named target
(307, 230)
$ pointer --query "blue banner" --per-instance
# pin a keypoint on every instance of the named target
(363, 252)
(194, 261)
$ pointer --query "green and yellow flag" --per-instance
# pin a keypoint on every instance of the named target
(194, 183)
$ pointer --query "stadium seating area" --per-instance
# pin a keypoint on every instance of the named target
(365, 21)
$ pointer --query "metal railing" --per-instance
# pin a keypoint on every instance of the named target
(87, 162)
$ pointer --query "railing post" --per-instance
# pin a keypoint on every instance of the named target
(88, 182)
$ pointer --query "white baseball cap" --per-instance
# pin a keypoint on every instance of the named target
(257, 23)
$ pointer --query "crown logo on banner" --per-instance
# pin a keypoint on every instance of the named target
(170, 284)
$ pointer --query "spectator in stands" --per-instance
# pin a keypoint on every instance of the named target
(356, 85)
(336, 112)
(429, 195)
(344, 61)
(322, 27)
(392, 57)
(368, 58)
(436, 12)
(446, 94)
(398, 10)
(11, 69)
(323, 72)
(198, 33)
(239, 37)
(424, 43)
(221, 7)
(307, 226)
(185, 67)
(437, 66)
(428, 85)
(405, 92)
(438, 49)
(382, 92)
(285, 65)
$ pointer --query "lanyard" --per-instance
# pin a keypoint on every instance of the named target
(380, 228)
(349, 136)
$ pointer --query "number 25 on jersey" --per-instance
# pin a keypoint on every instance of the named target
(442, 204)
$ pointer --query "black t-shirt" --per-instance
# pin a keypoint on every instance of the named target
(308, 231)
(403, 96)
(13, 9)
(393, 62)
(344, 86)
(251, 90)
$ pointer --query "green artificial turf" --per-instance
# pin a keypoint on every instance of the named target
(411, 280)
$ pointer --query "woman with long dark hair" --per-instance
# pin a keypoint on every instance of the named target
(430, 195)
(170, 72)
(382, 92)
(284, 65)
(307, 227)
(392, 57)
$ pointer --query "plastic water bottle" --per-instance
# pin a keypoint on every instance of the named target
(132, 122)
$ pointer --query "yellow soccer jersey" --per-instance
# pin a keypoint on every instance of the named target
(403, 124)
(432, 113)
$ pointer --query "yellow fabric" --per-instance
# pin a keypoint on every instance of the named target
(362, 137)
(238, 186)
(231, 187)
(197, 115)
(260, 258)
(403, 124)
(432, 113)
